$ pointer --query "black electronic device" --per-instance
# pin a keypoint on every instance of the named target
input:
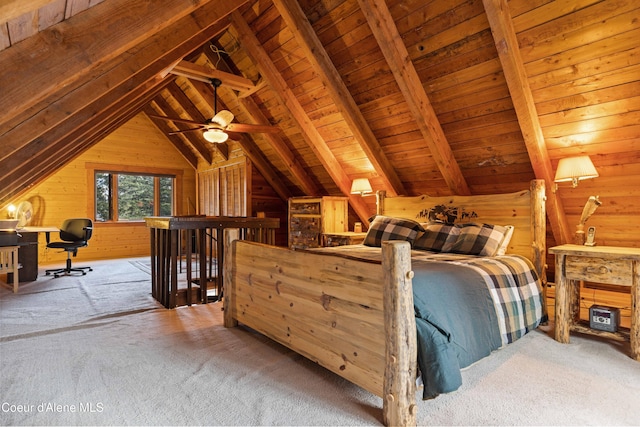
(604, 318)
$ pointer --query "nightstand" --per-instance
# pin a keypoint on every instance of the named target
(600, 264)
(342, 238)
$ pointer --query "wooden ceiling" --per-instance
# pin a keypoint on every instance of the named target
(438, 97)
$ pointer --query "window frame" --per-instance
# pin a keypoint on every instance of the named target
(157, 173)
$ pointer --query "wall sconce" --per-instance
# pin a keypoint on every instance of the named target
(361, 186)
(575, 169)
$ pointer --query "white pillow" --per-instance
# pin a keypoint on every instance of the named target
(504, 245)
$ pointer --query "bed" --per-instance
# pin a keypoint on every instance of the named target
(355, 310)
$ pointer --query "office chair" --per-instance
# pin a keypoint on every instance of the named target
(74, 234)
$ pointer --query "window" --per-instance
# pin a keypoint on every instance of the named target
(128, 196)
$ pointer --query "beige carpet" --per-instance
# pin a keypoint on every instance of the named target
(98, 350)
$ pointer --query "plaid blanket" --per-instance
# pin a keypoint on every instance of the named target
(514, 288)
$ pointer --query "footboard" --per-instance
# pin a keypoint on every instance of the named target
(355, 318)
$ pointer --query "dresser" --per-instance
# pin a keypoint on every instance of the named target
(311, 217)
(599, 264)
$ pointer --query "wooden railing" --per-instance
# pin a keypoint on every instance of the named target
(183, 237)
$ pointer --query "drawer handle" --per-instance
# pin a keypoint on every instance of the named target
(598, 270)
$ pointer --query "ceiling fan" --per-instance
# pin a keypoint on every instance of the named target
(218, 128)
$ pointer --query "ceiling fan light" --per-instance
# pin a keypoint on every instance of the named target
(215, 135)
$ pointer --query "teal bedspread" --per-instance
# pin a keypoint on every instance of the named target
(456, 324)
(468, 308)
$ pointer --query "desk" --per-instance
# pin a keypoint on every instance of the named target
(600, 264)
(28, 250)
(165, 238)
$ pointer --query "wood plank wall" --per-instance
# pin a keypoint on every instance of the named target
(138, 145)
(261, 197)
(583, 68)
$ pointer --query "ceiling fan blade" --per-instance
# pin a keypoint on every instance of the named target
(223, 118)
(176, 119)
(234, 136)
(241, 127)
(186, 130)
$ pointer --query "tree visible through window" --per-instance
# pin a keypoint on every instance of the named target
(131, 197)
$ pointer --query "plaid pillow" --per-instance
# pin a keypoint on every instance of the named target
(437, 237)
(385, 228)
(479, 239)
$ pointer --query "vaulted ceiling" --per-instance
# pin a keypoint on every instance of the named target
(438, 97)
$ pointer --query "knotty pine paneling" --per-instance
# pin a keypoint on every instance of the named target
(261, 197)
(138, 145)
(583, 67)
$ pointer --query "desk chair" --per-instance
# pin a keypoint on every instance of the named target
(74, 234)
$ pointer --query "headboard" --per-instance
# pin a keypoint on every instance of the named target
(525, 210)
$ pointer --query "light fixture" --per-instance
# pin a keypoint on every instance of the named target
(11, 211)
(216, 136)
(361, 186)
(575, 169)
(220, 120)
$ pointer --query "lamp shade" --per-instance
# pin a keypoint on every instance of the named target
(215, 135)
(575, 169)
(361, 186)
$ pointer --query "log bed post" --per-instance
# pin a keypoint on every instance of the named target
(538, 227)
(230, 235)
(399, 384)
(539, 235)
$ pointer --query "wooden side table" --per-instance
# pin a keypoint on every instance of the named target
(600, 264)
(342, 238)
(9, 264)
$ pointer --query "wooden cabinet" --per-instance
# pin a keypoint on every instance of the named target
(602, 264)
(311, 217)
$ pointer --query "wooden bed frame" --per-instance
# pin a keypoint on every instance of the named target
(354, 317)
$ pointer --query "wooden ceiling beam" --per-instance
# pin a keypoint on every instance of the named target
(506, 43)
(311, 135)
(249, 147)
(248, 105)
(132, 68)
(395, 52)
(177, 142)
(316, 54)
(205, 74)
(260, 162)
(198, 145)
(49, 158)
(305, 181)
(119, 113)
(118, 25)
(49, 122)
